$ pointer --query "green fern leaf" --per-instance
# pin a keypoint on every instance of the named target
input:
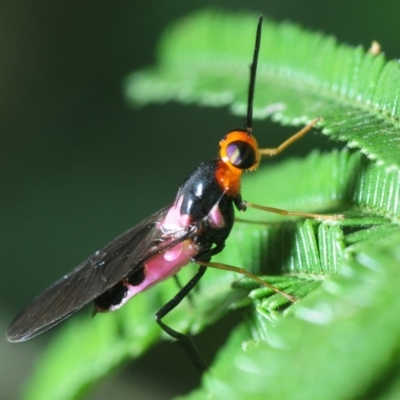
(205, 58)
(341, 341)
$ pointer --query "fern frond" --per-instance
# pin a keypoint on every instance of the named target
(204, 59)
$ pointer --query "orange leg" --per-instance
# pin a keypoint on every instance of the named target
(291, 140)
(279, 211)
(242, 271)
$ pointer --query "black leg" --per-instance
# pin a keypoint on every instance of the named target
(182, 338)
(180, 286)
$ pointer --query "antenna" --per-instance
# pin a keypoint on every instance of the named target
(253, 73)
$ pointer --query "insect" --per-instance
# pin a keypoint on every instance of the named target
(193, 229)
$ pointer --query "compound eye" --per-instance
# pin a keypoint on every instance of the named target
(241, 154)
(239, 149)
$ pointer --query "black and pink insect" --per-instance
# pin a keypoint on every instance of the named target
(193, 229)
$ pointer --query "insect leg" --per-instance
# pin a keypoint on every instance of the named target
(242, 271)
(186, 340)
(180, 286)
(243, 205)
(274, 151)
(279, 211)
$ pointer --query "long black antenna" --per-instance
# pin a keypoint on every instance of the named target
(253, 73)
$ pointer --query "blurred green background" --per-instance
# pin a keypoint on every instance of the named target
(79, 166)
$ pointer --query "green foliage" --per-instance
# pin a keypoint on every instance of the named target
(341, 338)
(205, 58)
(340, 342)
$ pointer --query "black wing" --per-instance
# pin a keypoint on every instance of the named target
(93, 277)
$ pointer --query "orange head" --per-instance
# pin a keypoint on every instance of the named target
(238, 153)
(239, 150)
